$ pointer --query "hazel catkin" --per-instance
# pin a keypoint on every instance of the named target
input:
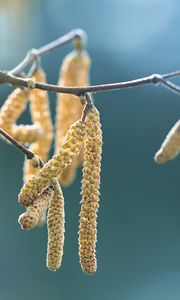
(11, 111)
(55, 225)
(68, 151)
(13, 108)
(35, 212)
(171, 145)
(40, 114)
(90, 192)
(74, 72)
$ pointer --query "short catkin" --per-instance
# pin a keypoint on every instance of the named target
(35, 212)
(90, 192)
(55, 225)
(40, 114)
(74, 72)
(68, 151)
(171, 145)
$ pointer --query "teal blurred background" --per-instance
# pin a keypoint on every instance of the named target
(138, 247)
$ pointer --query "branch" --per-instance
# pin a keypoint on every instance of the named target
(153, 79)
(29, 154)
(78, 36)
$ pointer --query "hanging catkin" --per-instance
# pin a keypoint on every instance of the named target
(90, 192)
(74, 72)
(171, 145)
(35, 212)
(55, 225)
(11, 111)
(40, 114)
(13, 108)
(68, 151)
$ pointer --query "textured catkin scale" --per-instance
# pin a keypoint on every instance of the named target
(171, 145)
(13, 108)
(35, 212)
(90, 192)
(74, 72)
(55, 225)
(40, 114)
(68, 151)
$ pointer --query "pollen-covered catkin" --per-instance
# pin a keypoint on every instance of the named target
(171, 145)
(13, 108)
(55, 225)
(68, 151)
(33, 216)
(90, 192)
(74, 72)
(40, 114)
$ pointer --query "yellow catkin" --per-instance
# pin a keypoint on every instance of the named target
(35, 212)
(55, 225)
(40, 113)
(13, 108)
(69, 149)
(90, 192)
(171, 145)
(74, 72)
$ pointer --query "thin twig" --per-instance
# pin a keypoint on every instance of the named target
(29, 154)
(34, 54)
(153, 79)
(87, 99)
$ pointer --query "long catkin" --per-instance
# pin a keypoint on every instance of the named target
(35, 212)
(90, 192)
(40, 114)
(55, 225)
(74, 72)
(68, 151)
(171, 145)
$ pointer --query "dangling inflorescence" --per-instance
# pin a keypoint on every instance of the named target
(90, 192)
(69, 150)
(73, 72)
(41, 117)
(55, 222)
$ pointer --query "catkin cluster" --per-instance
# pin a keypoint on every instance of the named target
(78, 139)
(74, 72)
(41, 118)
(69, 150)
(171, 145)
(90, 192)
(43, 191)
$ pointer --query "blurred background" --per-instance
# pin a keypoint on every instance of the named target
(138, 249)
